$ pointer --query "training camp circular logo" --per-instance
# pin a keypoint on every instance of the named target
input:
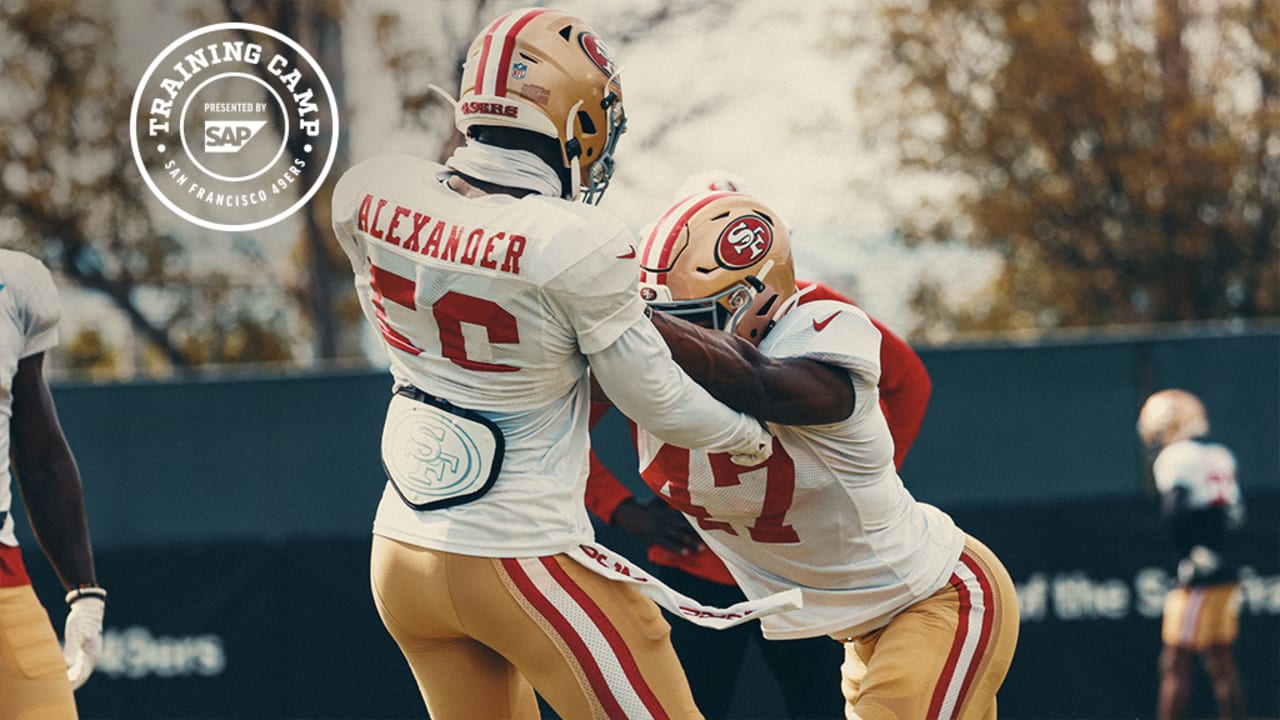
(234, 126)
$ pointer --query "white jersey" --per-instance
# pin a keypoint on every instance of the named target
(494, 304)
(827, 512)
(29, 313)
(1206, 470)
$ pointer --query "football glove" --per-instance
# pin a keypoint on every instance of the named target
(82, 636)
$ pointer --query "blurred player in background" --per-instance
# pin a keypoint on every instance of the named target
(713, 658)
(492, 291)
(37, 678)
(927, 614)
(1202, 506)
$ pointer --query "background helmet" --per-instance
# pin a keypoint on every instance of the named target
(1171, 415)
(719, 259)
(548, 72)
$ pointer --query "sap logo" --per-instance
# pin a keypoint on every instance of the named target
(229, 136)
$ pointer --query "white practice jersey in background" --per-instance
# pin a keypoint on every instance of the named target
(493, 304)
(1206, 470)
(29, 313)
(827, 512)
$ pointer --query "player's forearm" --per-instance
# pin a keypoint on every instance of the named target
(788, 391)
(52, 495)
(639, 377)
(723, 363)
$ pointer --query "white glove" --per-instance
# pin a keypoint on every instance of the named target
(757, 453)
(82, 637)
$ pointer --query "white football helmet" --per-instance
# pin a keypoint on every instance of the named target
(1171, 415)
(547, 71)
(722, 260)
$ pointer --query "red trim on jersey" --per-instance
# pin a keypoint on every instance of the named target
(610, 632)
(13, 572)
(567, 632)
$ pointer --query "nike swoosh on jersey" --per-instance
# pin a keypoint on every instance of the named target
(628, 254)
(818, 325)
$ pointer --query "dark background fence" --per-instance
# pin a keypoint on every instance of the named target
(231, 523)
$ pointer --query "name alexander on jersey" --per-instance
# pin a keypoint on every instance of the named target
(403, 227)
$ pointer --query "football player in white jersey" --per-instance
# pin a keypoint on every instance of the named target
(34, 671)
(1202, 505)
(928, 615)
(493, 291)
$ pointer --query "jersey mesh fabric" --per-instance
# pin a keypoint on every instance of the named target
(827, 512)
(1206, 470)
(422, 295)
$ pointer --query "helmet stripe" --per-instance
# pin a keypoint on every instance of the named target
(669, 231)
(491, 74)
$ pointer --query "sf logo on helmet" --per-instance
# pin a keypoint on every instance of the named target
(744, 242)
(595, 49)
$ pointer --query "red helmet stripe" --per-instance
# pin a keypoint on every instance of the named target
(670, 231)
(491, 74)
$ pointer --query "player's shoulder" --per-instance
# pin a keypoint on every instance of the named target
(24, 275)
(831, 331)
(1178, 456)
(1217, 452)
(819, 316)
(382, 174)
(575, 224)
(582, 240)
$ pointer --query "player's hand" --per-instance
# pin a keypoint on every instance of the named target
(82, 637)
(656, 523)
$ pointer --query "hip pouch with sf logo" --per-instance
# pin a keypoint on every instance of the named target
(436, 454)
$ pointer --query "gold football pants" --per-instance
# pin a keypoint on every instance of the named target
(944, 657)
(1198, 618)
(33, 675)
(481, 634)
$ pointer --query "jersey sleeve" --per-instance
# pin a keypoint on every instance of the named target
(1176, 467)
(344, 205)
(834, 333)
(904, 385)
(599, 294)
(39, 308)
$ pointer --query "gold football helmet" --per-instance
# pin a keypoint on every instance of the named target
(722, 260)
(1171, 415)
(548, 72)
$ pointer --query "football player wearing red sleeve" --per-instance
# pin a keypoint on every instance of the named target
(37, 679)
(927, 614)
(712, 658)
(1203, 508)
(493, 290)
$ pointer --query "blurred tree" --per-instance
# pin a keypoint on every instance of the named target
(1123, 158)
(71, 194)
(322, 287)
